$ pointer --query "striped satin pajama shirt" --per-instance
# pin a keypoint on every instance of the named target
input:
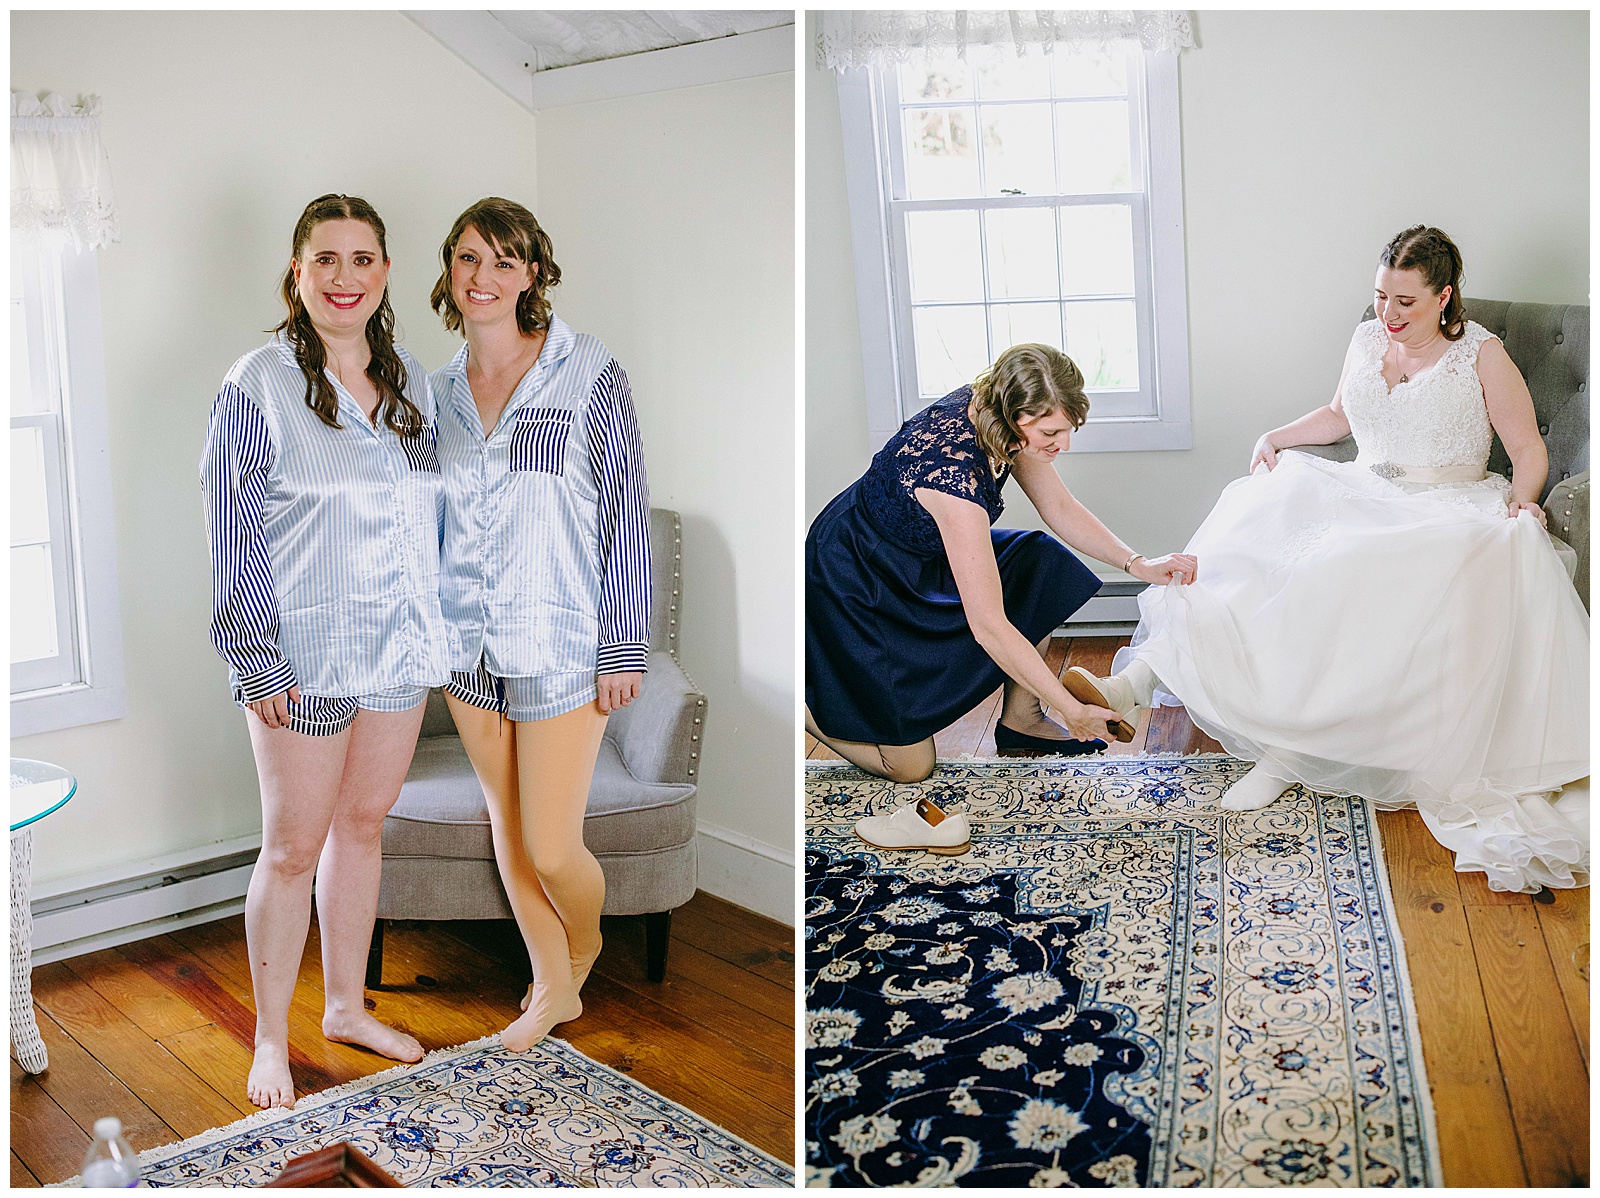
(324, 546)
(545, 564)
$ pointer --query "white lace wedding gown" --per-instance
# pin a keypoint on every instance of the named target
(1395, 640)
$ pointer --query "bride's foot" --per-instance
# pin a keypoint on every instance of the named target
(270, 1083)
(1254, 791)
(543, 1012)
(1115, 693)
(357, 1027)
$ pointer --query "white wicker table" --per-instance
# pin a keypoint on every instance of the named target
(37, 789)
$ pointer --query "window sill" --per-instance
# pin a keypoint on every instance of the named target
(61, 707)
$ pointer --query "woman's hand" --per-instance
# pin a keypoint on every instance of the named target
(614, 691)
(1266, 453)
(1088, 722)
(1533, 509)
(1178, 569)
(274, 710)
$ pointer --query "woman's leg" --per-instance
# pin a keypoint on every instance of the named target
(380, 745)
(491, 744)
(898, 763)
(1254, 791)
(555, 764)
(1021, 711)
(299, 788)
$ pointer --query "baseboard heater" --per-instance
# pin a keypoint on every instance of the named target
(86, 915)
(1112, 612)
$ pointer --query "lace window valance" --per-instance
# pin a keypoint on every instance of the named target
(60, 175)
(882, 38)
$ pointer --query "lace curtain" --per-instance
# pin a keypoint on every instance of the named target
(60, 175)
(880, 38)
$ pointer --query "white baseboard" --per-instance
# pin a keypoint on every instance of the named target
(746, 871)
(107, 907)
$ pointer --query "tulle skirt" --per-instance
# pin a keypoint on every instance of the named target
(1409, 645)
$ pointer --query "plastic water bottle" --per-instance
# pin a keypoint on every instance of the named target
(110, 1163)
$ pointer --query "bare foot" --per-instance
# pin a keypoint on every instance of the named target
(543, 1013)
(357, 1027)
(270, 1083)
(1039, 725)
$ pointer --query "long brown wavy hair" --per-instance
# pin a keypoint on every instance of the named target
(385, 369)
(1025, 380)
(511, 229)
(1434, 256)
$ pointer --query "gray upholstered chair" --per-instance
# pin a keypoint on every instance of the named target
(1550, 345)
(438, 858)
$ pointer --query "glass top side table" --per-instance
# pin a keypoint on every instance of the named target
(37, 789)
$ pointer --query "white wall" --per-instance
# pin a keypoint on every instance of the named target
(220, 127)
(672, 217)
(1309, 139)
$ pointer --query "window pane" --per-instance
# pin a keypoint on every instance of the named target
(33, 605)
(1097, 249)
(1017, 154)
(941, 79)
(1014, 324)
(30, 511)
(1025, 78)
(946, 263)
(1021, 244)
(951, 348)
(1102, 338)
(941, 156)
(1091, 72)
(1092, 146)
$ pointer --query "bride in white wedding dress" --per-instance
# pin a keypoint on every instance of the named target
(1399, 627)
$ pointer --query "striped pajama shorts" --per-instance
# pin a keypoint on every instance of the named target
(319, 715)
(522, 699)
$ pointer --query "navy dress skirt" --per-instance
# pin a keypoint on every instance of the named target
(890, 658)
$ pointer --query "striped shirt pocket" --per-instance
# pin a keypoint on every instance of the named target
(422, 451)
(539, 440)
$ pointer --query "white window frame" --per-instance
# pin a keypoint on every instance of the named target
(871, 137)
(85, 683)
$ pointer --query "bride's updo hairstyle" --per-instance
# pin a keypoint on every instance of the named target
(1434, 256)
(1025, 380)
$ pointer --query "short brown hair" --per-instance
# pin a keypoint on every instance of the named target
(1026, 380)
(1434, 256)
(512, 230)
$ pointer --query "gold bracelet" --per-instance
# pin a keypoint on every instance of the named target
(1129, 562)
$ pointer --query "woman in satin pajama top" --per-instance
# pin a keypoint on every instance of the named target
(323, 508)
(545, 579)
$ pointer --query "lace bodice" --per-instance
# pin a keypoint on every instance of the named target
(1437, 418)
(938, 449)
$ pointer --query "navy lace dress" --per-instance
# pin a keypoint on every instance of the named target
(890, 659)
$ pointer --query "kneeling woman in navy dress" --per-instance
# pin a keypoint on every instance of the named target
(916, 608)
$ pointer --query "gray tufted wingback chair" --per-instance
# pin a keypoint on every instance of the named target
(438, 857)
(1550, 345)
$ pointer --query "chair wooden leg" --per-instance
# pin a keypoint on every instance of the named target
(375, 957)
(657, 931)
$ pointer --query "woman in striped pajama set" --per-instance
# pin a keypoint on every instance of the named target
(545, 579)
(323, 506)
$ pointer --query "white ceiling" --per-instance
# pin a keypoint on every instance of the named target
(565, 38)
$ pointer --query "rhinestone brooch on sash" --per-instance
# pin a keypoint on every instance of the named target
(1388, 470)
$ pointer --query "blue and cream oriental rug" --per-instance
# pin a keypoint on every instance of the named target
(1119, 985)
(479, 1115)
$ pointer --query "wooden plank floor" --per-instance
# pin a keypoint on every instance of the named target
(160, 1032)
(1501, 980)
